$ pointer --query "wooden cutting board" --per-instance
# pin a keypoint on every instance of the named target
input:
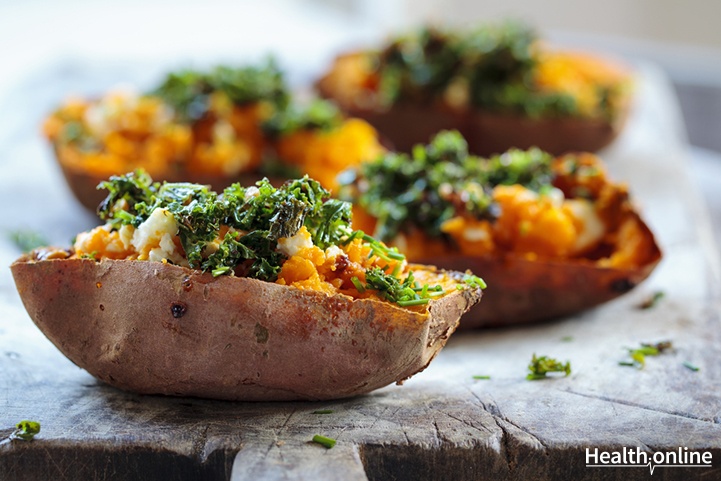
(441, 424)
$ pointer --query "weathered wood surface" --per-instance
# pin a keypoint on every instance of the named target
(442, 424)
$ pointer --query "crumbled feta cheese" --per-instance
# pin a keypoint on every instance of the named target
(332, 252)
(593, 227)
(291, 246)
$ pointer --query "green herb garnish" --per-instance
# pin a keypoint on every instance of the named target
(691, 366)
(491, 67)
(188, 91)
(639, 354)
(481, 377)
(323, 411)
(567, 339)
(27, 240)
(437, 182)
(263, 213)
(541, 366)
(327, 442)
(319, 114)
(25, 430)
(652, 300)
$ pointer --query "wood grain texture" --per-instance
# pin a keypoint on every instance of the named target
(441, 424)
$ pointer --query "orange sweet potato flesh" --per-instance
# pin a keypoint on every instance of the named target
(84, 185)
(156, 328)
(406, 124)
(522, 291)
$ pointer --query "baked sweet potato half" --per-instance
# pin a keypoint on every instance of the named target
(260, 294)
(498, 85)
(552, 236)
(219, 127)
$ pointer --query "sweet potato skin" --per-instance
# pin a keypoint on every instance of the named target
(487, 133)
(155, 328)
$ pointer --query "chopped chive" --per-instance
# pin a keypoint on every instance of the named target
(395, 256)
(323, 411)
(220, 271)
(567, 339)
(424, 291)
(357, 283)
(352, 237)
(413, 302)
(626, 364)
(368, 238)
(436, 293)
(327, 442)
(691, 366)
(396, 270)
(386, 267)
(380, 253)
(481, 377)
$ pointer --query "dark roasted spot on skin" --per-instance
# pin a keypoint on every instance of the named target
(102, 307)
(261, 333)
(178, 309)
(622, 285)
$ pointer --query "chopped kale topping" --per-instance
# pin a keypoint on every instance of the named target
(494, 63)
(320, 114)
(437, 182)
(251, 221)
(255, 217)
(188, 91)
(541, 366)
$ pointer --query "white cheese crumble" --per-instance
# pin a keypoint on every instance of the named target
(291, 246)
(593, 227)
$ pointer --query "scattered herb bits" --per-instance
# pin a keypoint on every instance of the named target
(691, 366)
(323, 411)
(25, 430)
(327, 442)
(638, 355)
(652, 300)
(541, 366)
(481, 377)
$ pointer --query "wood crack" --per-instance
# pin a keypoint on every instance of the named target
(200, 444)
(714, 420)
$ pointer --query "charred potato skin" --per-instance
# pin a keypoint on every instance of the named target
(156, 328)
(406, 124)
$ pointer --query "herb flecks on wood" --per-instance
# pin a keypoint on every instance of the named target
(541, 366)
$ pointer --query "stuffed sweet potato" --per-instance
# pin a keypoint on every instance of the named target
(258, 294)
(552, 236)
(228, 125)
(498, 85)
